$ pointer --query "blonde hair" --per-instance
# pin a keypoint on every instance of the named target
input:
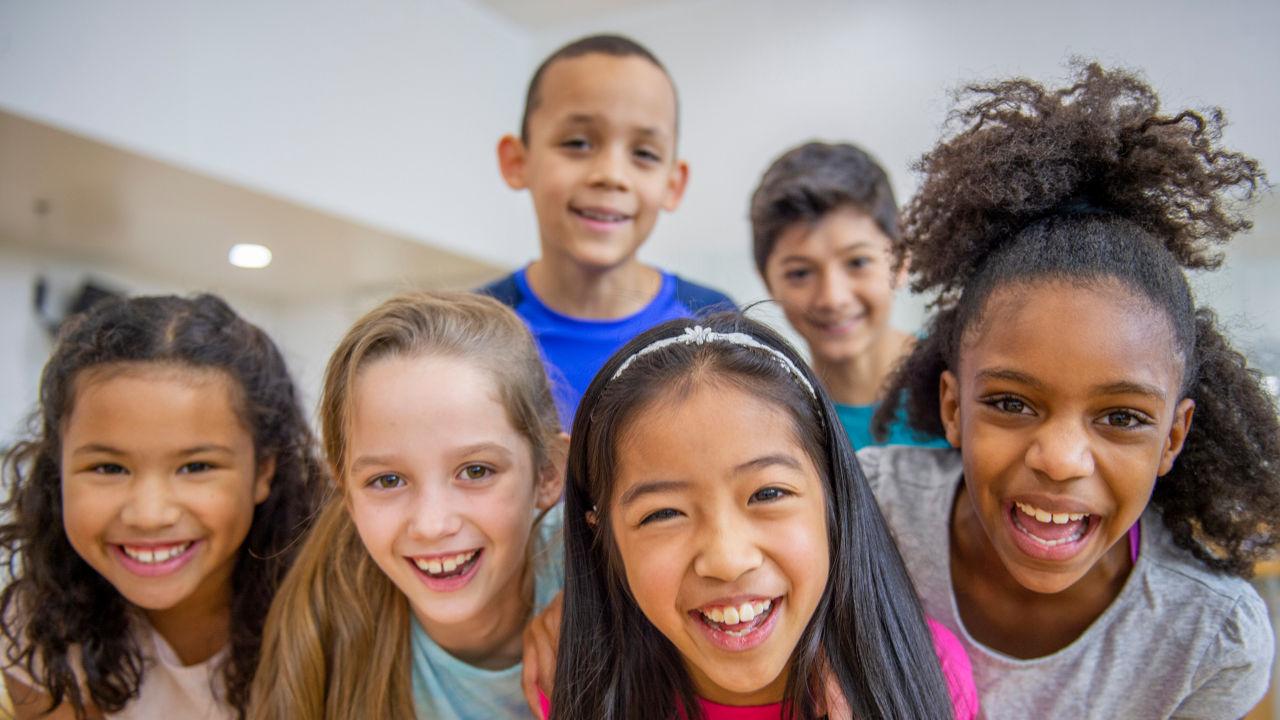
(338, 621)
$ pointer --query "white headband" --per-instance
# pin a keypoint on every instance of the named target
(699, 335)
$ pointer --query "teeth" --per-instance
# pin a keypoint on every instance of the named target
(1045, 516)
(607, 217)
(152, 557)
(732, 615)
(436, 566)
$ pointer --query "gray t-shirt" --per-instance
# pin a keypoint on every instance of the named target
(1179, 641)
(446, 688)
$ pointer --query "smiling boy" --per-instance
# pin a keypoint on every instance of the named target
(597, 153)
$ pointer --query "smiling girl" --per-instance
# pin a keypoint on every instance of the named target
(724, 556)
(154, 515)
(1114, 475)
(413, 591)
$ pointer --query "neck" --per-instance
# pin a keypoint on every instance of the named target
(1005, 616)
(858, 380)
(570, 288)
(199, 627)
(493, 640)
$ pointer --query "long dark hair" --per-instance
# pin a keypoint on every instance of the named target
(1092, 184)
(56, 601)
(868, 630)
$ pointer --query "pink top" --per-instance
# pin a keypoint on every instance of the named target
(951, 655)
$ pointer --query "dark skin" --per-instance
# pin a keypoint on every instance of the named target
(998, 611)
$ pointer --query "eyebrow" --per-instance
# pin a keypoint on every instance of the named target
(95, 448)
(381, 460)
(585, 119)
(855, 245)
(658, 486)
(1123, 387)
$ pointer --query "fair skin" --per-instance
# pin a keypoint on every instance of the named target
(1067, 406)
(719, 518)
(600, 163)
(835, 282)
(159, 484)
(444, 493)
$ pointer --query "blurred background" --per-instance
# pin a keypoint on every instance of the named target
(141, 139)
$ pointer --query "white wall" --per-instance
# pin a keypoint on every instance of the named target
(758, 76)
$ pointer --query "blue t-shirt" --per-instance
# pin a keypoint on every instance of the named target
(573, 349)
(856, 420)
(445, 688)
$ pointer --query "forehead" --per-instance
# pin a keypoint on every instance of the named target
(126, 397)
(846, 228)
(624, 91)
(1084, 335)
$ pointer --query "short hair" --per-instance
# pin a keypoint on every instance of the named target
(612, 45)
(811, 180)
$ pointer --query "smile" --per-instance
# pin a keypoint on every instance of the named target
(600, 215)
(1050, 529)
(737, 627)
(154, 555)
(448, 565)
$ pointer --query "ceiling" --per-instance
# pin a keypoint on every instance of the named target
(70, 197)
(546, 14)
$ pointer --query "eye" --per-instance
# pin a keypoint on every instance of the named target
(1009, 404)
(796, 275)
(475, 471)
(769, 494)
(857, 263)
(647, 155)
(659, 515)
(386, 481)
(195, 467)
(1125, 419)
(108, 469)
(575, 143)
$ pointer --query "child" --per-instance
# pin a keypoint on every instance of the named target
(154, 514)
(597, 153)
(413, 590)
(1115, 466)
(725, 558)
(823, 219)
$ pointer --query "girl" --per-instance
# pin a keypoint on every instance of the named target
(823, 220)
(413, 590)
(725, 558)
(154, 515)
(1115, 466)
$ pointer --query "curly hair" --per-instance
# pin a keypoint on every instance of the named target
(56, 601)
(1091, 183)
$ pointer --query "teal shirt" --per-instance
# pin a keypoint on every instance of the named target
(445, 688)
(857, 425)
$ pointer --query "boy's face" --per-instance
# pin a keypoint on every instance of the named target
(600, 158)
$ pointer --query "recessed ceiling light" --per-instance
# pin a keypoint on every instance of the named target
(249, 255)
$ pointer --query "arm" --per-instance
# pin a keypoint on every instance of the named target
(1235, 672)
(541, 637)
(31, 704)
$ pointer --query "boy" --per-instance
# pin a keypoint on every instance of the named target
(597, 153)
(822, 220)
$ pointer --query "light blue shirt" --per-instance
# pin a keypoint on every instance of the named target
(446, 688)
(856, 420)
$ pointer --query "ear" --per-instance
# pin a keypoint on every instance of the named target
(676, 183)
(949, 406)
(592, 520)
(1177, 434)
(512, 159)
(900, 277)
(262, 479)
(551, 474)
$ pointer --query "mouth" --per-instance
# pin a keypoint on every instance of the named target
(740, 626)
(447, 566)
(153, 554)
(155, 559)
(1049, 534)
(600, 216)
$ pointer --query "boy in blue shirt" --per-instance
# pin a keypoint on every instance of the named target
(597, 153)
(822, 219)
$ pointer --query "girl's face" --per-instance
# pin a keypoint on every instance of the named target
(159, 483)
(443, 492)
(719, 518)
(1066, 406)
(835, 283)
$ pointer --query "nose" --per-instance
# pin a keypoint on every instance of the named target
(1061, 450)
(435, 514)
(152, 504)
(726, 548)
(609, 168)
(834, 291)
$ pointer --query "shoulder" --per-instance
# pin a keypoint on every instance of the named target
(956, 668)
(700, 300)
(505, 290)
(909, 468)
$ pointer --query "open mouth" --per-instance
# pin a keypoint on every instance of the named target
(598, 215)
(155, 555)
(1050, 529)
(448, 566)
(737, 627)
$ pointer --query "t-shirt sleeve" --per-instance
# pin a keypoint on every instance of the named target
(957, 671)
(1236, 670)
